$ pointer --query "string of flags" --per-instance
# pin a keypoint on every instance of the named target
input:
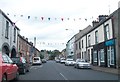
(46, 43)
(51, 18)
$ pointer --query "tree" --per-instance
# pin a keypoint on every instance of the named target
(41, 56)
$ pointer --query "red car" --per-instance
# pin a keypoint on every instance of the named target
(9, 71)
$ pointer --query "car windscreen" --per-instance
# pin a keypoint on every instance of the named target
(16, 60)
(36, 58)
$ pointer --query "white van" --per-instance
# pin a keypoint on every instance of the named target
(37, 61)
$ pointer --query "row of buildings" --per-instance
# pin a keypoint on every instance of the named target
(12, 43)
(99, 44)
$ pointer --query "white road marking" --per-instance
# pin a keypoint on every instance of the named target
(63, 76)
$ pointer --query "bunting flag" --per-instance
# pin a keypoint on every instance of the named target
(48, 18)
(45, 43)
(56, 18)
(21, 15)
(42, 18)
(62, 19)
(28, 17)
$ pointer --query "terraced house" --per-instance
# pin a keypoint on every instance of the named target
(12, 43)
(8, 35)
(100, 44)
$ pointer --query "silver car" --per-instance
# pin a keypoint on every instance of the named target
(69, 62)
(81, 63)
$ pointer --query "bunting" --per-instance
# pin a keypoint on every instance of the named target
(56, 18)
(47, 43)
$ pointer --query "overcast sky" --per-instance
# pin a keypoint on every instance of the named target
(51, 33)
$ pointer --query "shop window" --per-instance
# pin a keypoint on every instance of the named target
(95, 56)
(112, 56)
(102, 56)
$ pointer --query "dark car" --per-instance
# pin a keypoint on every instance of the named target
(22, 64)
(44, 60)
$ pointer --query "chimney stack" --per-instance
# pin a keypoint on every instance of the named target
(102, 17)
(95, 23)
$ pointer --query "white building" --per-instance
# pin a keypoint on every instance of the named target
(8, 35)
(99, 45)
(70, 48)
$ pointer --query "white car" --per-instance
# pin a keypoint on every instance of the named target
(81, 63)
(37, 61)
(62, 60)
(69, 62)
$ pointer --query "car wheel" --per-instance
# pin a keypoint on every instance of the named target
(27, 70)
(74, 66)
(17, 76)
(4, 78)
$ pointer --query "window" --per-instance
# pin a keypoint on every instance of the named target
(76, 46)
(107, 33)
(79, 45)
(82, 44)
(89, 43)
(7, 30)
(14, 35)
(88, 54)
(102, 56)
(110, 54)
(96, 37)
(95, 56)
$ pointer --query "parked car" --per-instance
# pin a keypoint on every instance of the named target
(57, 60)
(44, 60)
(69, 62)
(37, 61)
(22, 64)
(62, 60)
(81, 63)
(9, 70)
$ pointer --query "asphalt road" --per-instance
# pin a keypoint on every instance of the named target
(56, 71)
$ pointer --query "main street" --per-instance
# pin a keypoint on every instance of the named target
(56, 71)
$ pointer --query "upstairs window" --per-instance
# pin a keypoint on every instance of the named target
(14, 35)
(89, 41)
(107, 32)
(7, 30)
(96, 37)
(79, 45)
(76, 46)
(82, 44)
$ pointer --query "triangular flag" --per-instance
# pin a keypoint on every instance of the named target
(14, 15)
(48, 18)
(21, 15)
(86, 19)
(62, 19)
(35, 17)
(7, 13)
(28, 17)
(42, 18)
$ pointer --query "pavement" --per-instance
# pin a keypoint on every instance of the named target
(106, 69)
